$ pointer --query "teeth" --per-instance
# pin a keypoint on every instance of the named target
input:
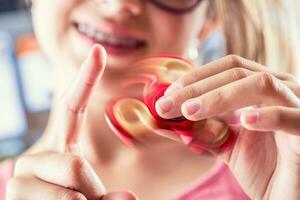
(113, 40)
(82, 28)
(105, 37)
(100, 36)
(90, 32)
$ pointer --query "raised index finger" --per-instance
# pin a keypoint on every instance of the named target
(76, 98)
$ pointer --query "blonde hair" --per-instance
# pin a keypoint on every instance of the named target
(266, 31)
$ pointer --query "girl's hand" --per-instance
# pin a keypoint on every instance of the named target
(264, 108)
(61, 171)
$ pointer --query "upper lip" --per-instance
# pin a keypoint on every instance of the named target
(112, 29)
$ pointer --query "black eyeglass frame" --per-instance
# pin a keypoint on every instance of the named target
(179, 11)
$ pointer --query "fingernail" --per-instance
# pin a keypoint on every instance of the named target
(250, 117)
(191, 107)
(165, 104)
(235, 119)
(173, 88)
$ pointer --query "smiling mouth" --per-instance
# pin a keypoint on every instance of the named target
(113, 43)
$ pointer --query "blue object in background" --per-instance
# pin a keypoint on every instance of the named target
(213, 47)
(25, 92)
(6, 5)
(13, 125)
(36, 77)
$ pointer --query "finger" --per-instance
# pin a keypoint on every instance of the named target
(119, 196)
(293, 87)
(197, 89)
(259, 89)
(221, 65)
(74, 172)
(270, 119)
(27, 188)
(75, 100)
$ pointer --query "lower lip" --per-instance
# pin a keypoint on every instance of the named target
(111, 49)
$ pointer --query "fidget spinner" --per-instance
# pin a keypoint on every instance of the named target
(133, 116)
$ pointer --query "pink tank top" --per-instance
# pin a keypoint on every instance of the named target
(6, 172)
(219, 184)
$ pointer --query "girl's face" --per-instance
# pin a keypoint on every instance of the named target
(128, 29)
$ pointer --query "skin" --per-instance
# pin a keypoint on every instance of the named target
(78, 141)
(78, 157)
(265, 158)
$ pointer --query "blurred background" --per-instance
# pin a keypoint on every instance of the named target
(26, 78)
(25, 81)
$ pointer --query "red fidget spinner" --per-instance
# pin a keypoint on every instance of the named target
(133, 116)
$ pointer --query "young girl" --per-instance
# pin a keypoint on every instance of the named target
(79, 157)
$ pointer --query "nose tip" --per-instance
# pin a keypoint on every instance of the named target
(133, 7)
(125, 7)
